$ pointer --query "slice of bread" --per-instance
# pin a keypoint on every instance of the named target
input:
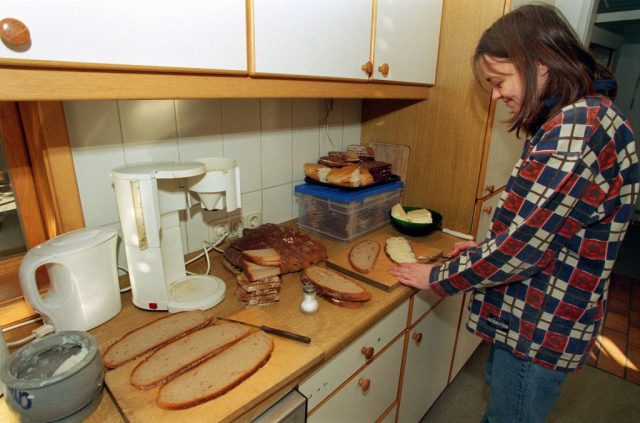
(153, 335)
(341, 303)
(256, 272)
(399, 250)
(217, 375)
(181, 355)
(363, 255)
(331, 283)
(263, 257)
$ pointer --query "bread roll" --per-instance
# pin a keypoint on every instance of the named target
(347, 175)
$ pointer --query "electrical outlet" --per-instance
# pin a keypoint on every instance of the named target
(235, 228)
(218, 230)
(252, 220)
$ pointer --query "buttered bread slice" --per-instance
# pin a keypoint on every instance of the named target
(399, 250)
(179, 356)
(217, 375)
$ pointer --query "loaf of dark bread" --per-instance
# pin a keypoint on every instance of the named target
(297, 250)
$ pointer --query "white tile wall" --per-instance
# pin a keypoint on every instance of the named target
(270, 140)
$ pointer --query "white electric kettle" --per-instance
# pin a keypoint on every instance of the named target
(83, 274)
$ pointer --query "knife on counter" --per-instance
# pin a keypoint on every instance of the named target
(273, 331)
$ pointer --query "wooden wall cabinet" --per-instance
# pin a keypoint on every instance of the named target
(397, 41)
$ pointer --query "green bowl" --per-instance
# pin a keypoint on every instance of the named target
(416, 229)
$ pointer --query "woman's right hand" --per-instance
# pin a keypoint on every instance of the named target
(461, 246)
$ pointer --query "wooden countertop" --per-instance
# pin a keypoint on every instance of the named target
(332, 328)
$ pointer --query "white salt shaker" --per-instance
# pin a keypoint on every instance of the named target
(309, 304)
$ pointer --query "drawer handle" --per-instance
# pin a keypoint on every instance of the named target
(368, 68)
(490, 189)
(417, 336)
(384, 69)
(487, 210)
(367, 352)
(364, 384)
(14, 33)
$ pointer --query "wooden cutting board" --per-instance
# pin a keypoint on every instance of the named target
(379, 276)
(289, 360)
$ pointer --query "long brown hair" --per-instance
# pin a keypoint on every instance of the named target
(534, 34)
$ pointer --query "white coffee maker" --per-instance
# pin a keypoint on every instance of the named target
(150, 196)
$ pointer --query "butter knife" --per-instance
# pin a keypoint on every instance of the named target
(273, 331)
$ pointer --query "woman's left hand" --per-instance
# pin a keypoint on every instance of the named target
(413, 274)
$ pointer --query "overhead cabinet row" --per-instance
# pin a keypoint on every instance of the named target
(395, 41)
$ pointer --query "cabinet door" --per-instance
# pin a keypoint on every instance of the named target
(426, 370)
(406, 40)
(466, 343)
(353, 403)
(487, 208)
(329, 38)
(333, 373)
(504, 151)
(194, 34)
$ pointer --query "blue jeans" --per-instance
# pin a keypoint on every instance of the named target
(520, 391)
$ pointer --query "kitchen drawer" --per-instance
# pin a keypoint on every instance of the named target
(423, 301)
(354, 404)
(332, 374)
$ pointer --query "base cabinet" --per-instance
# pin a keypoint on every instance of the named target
(429, 352)
(368, 394)
(466, 343)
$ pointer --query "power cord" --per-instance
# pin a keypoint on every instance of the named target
(38, 332)
(206, 247)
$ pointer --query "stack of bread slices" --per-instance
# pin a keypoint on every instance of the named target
(259, 282)
(334, 287)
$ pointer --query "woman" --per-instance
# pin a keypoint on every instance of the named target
(540, 279)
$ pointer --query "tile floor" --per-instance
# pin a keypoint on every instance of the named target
(617, 349)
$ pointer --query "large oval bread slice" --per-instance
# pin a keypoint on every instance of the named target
(331, 283)
(363, 255)
(182, 354)
(217, 375)
(153, 335)
(399, 250)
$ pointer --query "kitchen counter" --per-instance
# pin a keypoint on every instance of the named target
(331, 328)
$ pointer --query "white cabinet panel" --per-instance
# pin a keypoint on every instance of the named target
(330, 38)
(504, 151)
(354, 404)
(426, 371)
(423, 301)
(326, 379)
(406, 39)
(194, 34)
(466, 343)
(487, 209)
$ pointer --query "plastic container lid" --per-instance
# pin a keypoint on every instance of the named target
(338, 194)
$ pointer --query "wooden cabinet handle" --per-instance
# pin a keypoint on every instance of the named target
(384, 69)
(364, 384)
(367, 352)
(487, 210)
(368, 68)
(490, 189)
(14, 33)
(417, 336)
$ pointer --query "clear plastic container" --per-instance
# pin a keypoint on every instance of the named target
(345, 215)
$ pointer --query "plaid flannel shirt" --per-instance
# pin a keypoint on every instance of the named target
(540, 279)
